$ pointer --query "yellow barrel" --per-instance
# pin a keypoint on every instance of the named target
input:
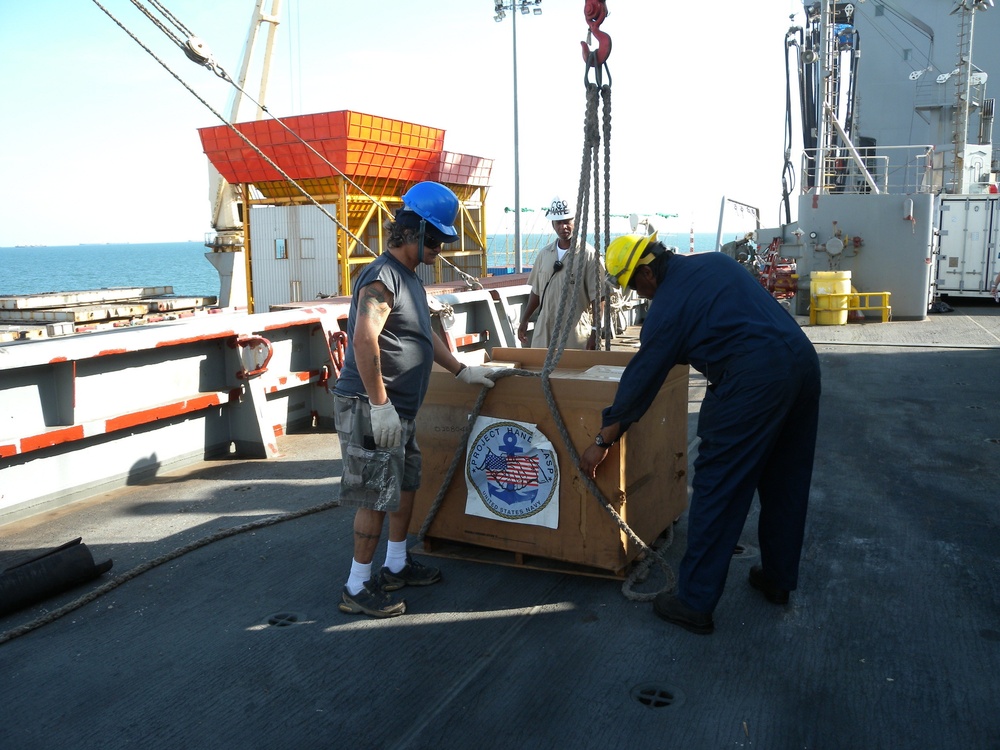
(830, 292)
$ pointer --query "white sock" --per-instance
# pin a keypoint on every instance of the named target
(395, 555)
(360, 572)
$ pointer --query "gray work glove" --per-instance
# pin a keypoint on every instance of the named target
(476, 375)
(387, 429)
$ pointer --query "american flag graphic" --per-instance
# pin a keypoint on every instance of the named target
(519, 471)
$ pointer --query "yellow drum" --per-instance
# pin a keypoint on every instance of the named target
(830, 292)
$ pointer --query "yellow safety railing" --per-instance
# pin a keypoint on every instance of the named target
(833, 302)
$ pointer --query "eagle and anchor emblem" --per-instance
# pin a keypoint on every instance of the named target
(512, 473)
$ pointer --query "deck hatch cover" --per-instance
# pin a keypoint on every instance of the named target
(654, 695)
(284, 619)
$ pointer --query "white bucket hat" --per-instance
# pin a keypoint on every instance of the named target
(559, 210)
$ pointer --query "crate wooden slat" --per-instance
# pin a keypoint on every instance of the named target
(644, 475)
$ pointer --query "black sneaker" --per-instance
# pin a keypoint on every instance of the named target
(372, 601)
(771, 592)
(415, 573)
(672, 609)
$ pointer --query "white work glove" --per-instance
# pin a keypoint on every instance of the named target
(387, 429)
(475, 375)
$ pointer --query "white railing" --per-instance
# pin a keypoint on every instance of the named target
(893, 169)
(224, 240)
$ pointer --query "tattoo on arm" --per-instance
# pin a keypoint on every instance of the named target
(374, 306)
(374, 302)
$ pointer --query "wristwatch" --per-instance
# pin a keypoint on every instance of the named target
(599, 440)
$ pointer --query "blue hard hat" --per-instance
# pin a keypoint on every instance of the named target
(437, 205)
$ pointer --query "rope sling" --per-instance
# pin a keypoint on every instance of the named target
(565, 321)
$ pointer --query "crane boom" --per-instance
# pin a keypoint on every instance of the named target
(226, 209)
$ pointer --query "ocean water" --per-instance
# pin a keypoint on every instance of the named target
(36, 270)
(182, 265)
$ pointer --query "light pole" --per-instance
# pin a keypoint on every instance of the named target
(524, 7)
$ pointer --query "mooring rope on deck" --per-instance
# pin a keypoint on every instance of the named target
(138, 570)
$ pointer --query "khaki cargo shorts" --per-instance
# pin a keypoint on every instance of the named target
(373, 477)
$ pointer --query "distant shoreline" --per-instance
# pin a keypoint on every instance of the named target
(530, 241)
(104, 244)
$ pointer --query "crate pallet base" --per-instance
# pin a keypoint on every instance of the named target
(451, 550)
(444, 548)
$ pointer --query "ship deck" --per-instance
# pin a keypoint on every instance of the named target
(892, 640)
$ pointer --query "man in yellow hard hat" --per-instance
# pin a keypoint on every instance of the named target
(757, 424)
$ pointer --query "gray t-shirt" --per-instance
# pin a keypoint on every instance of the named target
(405, 342)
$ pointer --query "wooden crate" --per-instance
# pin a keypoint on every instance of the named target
(644, 475)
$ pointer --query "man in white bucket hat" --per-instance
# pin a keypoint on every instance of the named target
(548, 278)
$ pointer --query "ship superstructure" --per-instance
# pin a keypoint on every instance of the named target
(898, 178)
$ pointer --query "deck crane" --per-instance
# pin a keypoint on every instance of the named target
(227, 238)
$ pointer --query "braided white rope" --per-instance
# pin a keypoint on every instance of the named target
(564, 324)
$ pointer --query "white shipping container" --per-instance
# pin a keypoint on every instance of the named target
(968, 260)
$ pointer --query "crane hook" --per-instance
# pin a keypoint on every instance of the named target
(595, 11)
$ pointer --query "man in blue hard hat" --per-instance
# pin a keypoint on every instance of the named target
(380, 389)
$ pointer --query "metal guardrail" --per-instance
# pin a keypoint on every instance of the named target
(87, 413)
(894, 170)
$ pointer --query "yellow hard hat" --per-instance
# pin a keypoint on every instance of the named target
(625, 254)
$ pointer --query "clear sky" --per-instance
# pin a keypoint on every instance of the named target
(100, 143)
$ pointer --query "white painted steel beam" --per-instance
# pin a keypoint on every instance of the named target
(84, 413)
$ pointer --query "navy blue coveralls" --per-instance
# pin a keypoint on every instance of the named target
(757, 423)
